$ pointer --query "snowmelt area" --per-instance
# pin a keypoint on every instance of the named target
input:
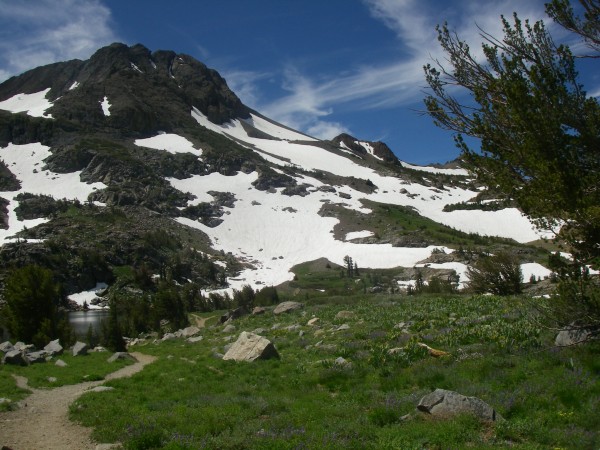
(35, 104)
(105, 106)
(88, 296)
(172, 143)
(19, 159)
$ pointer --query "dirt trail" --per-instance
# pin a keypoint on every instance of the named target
(43, 422)
(201, 321)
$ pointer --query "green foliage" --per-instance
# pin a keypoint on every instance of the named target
(539, 131)
(498, 274)
(32, 307)
(245, 298)
(306, 400)
(267, 296)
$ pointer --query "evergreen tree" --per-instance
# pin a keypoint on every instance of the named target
(32, 299)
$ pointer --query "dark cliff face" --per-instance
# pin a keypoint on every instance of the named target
(147, 91)
(380, 149)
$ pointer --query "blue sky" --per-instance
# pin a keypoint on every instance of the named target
(320, 66)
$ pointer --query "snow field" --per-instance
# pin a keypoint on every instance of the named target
(19, 159)
(35, 104)
(509, 223)
(172, 143)
(275, 232)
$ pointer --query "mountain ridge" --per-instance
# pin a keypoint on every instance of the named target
(139, 134)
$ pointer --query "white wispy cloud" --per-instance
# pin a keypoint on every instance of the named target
(40, 32)
(400, 79)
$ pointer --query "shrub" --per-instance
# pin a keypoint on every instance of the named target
(499, 274)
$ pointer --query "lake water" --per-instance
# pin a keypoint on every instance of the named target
(81, 320)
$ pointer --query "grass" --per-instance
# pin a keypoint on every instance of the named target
(90, 367)
(191, 399)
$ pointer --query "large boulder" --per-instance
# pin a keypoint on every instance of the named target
(80, 348)
(443, 403)
(286, 307)
(16, 358)
(250, 347)
(54, 348)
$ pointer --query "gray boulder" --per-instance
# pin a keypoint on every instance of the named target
(36, 357)
(60, 363)
(121, 355)
(258, 310)
(80, 349)
(54, 348)
(250, 347)
(190, 331)
(343, 315)
(443, 403)
(15, 358)
(6, 347)
(229, 328)
(573, 336)
(286, 307)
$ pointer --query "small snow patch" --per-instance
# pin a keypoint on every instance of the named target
(88, 296)
(105, 106)
(74, 85)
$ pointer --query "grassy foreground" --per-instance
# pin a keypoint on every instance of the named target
(191, 399)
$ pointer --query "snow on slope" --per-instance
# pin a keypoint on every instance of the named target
(172, 143)
(435, 169)
(275, 232)
(35, 104)
(20, 159)
(275, 130)
(509, 223)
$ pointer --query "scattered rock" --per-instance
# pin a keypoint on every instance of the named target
(15, 358)
(80, 349)
(341, 362)
(194, 339)
(6, 347)
(23, 347)
(228, 328)
(189, 331)
(250, 347)
(573, 335)
(52, 379)
(121, 355)
(443, 403)
(258, 310)
(343, 327)
(343, 315)
(54, 348)
(60, 363)
(233, 314)
(36, 357)
(286, 307)
(168, 337)
(312, 321)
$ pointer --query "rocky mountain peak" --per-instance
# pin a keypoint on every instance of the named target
(377, 149)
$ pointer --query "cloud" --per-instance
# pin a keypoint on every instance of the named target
(40, 32)
(400, 80)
